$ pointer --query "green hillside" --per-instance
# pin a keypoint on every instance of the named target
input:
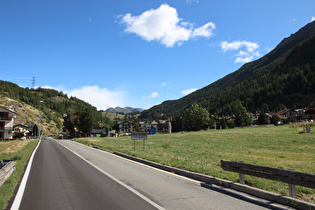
(125, 110)
(285, 77)
(54, 105)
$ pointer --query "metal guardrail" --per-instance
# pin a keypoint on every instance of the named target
(287, 176)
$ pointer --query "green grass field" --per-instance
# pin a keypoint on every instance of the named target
(19, 151)
(113, 116)
(274, 146)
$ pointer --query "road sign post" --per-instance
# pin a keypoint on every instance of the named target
(139, 136)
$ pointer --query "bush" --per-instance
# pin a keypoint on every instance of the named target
(275, 119)
(18, 135)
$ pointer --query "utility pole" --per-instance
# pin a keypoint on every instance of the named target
(33, 82)
(39, 118)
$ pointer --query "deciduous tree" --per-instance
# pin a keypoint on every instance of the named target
(195, 118)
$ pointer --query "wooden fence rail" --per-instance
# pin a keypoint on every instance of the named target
(287, 176)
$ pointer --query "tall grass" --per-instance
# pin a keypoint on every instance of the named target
(274, 146)
(21, 156)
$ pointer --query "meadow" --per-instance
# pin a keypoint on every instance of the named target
(285, 147)
(19, 151)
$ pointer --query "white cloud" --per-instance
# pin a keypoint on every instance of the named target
(242, 53)
(313, 18)
(164, 25)
(101, 98)
(151, 98)
(243, 59)
(236, 45)
(247, 50)
(154, 95)
(205, 30)
(230, 45)
(46, 87)
(163, 84)
(188, 91)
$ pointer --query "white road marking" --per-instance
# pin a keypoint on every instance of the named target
(193, 181)
(142, 164)
(116, 180)
(18, 198)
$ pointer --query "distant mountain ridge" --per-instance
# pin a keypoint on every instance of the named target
(283, 77)
(125, 110)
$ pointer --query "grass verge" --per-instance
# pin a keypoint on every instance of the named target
(19, 151)
(274, 146)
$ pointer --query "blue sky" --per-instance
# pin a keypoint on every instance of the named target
(138, 53)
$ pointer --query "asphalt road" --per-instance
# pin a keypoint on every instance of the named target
(61, 180)
(166, 189)
(74, 176)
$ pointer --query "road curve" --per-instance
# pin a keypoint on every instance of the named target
(60, 179)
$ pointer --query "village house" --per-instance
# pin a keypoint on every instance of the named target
(160, 126)
(6, 122)
(292, 114)
(283, 114)
(21, 128)
(126, 127)
(310, 114)
(148, 125)
(164, 126)
(98, 132)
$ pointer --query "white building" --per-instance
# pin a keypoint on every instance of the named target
(6, 123)
(149, 125)
(20, 128)
(126, 127)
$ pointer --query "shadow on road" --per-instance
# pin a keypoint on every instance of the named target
(266, 204)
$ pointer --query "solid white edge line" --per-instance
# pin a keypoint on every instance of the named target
(18, 198)
(116, 180)
(199, 183)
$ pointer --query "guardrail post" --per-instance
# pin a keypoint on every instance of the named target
(241, 176)
(292, 188)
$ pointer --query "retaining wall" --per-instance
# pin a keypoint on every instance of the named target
(6, 171)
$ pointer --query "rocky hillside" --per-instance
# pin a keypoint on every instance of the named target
(29, 115)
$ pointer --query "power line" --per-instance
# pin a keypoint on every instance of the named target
(22, 78)
(18, 80)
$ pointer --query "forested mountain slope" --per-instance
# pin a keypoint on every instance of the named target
(125, 110)
(53, 106)
(285, 77)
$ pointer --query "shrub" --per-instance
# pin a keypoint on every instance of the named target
(18, 135)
